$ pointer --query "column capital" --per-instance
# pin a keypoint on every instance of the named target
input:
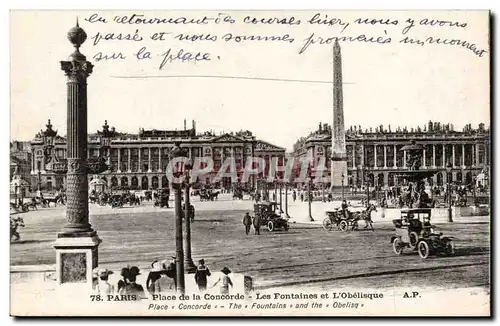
(76, 71)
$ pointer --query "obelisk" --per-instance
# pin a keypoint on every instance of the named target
(76, 245)
(339, 156)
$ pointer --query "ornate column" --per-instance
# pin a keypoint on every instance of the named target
(76, 245)
(139, 151)
(375, 155)
(354, 156)
(32, 161)
(444, 155)
(119, 160)
(362, 156)
(159, 160)
(129, 161)
(394, 157)
(149, 160)
(463, 155)
(404, 159)
(385, 156)
(476, 158)
(453, 154)
(434, 156)
(423, 159)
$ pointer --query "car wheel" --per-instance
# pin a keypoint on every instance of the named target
(423, 249)
(327, 224)
(343, 225)
(397, 246)
(450, 248)
(413, 240)
(270, 226)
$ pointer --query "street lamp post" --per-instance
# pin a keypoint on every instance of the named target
(281, 198)
(179, 253)
(188, 261)
(309, 199)
(342, 183)
(39, 181)
(367, 183)
(286, 200)
(449, 168)
(15, 194)
(474, 190)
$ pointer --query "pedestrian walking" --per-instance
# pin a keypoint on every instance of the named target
(256, 224)
(247, 222)
(201, 275)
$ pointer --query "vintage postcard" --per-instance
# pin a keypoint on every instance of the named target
(250, 163)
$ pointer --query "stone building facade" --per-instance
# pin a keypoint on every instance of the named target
(375, 156)
(138, 161)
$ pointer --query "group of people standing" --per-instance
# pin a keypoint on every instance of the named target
(248, 221)
(161, 279)
(126, 285)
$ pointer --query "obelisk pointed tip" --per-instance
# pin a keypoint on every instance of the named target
(77, 25)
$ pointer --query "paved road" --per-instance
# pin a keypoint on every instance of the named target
(305, 256)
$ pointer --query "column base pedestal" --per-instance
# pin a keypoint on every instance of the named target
(189, 266)
(76, 257)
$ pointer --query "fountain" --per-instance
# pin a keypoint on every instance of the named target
(415, 196)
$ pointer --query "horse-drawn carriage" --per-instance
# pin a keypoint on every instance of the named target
(208, 195)
(346, 220)
(268, 216)
(414, 231)
(116, 201)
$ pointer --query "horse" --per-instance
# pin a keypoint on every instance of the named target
(57, 199)
(14, 224)
(365, 215)
(214, 195)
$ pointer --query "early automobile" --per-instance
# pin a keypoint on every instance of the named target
(268, 216)
(348, 220)
(414, 231)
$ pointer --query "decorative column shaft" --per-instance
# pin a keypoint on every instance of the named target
(189, 266)
(463, 155)
(77, 207)
(129, 167)
(159, 159)
(444, 155)
(139, 151)
(395, 164)
(119, 160)
(453, 154)
(375, 156)
(385, 156)
(423, 158)
(149, 159)
(434, 156)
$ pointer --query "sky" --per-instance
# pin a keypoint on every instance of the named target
(396, 84)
